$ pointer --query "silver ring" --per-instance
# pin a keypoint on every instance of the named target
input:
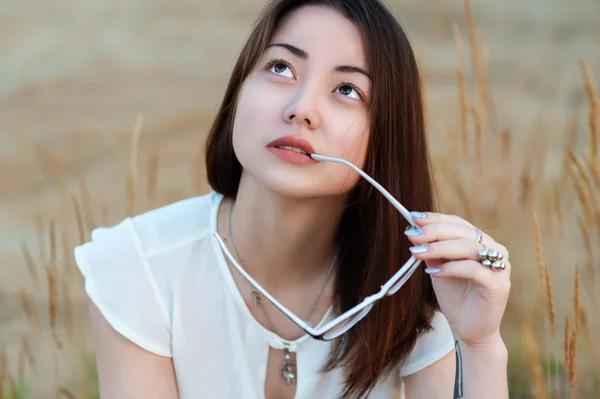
(479, 235)
(491, 259)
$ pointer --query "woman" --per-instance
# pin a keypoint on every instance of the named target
(174, 314)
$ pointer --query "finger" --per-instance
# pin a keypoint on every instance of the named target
(439, 232)
(424, 218)
(449, 231)
(427, 218)
(497, 281)
(456, 249)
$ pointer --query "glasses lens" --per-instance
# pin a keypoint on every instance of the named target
(347, 324)
(403, 279)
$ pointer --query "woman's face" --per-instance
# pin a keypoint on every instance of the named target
(312, 84)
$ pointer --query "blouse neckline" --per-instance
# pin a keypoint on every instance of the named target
(274, 340)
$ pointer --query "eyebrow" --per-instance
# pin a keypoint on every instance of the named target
(304, 55)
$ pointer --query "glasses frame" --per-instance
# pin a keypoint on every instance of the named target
(364, 307)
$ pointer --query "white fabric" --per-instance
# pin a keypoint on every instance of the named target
(161, 280)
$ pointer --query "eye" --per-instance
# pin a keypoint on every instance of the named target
(349, 90)
(280, 67)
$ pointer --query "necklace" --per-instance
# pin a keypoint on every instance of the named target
(288, 370)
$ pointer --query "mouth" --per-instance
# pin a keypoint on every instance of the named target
(292, 143)
(290, 148)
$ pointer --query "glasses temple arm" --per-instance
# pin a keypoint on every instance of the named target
(378, 186)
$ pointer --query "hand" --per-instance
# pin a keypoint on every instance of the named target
(471, 296)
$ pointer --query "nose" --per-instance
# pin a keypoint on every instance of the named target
(303, 110)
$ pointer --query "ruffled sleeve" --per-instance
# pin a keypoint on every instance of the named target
(120, 282)
(430, 347)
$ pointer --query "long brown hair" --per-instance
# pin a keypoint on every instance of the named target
(371, 239)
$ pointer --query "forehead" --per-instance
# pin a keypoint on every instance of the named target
(323, 33)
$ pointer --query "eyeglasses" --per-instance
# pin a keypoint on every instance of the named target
(348, 319)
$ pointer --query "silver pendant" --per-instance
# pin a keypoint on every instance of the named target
(288, 371)
(256, 298)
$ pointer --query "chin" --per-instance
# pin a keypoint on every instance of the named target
(291, 185)
(299, 185)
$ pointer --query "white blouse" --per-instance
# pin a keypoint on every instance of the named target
(161, 280)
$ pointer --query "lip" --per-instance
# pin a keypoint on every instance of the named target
(292, 141)
(292, 156)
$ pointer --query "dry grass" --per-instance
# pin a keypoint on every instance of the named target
(533, 352)
(549, 288)
(462, 86)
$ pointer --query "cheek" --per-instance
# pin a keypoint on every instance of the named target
(353, 147)
(255, 109)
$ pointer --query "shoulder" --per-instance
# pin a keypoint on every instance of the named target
(131, 289)
(160, 229)
(176, 224)
(431, 346)
(136, 239)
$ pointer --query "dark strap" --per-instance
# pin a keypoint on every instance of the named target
(458, 378)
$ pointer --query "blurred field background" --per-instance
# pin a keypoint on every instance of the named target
(104, 107)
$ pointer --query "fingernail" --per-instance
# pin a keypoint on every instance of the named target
(418, 215)
(432, 270)
(414, 231)
(419, 249)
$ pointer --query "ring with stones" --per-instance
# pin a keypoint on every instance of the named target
(491, 259)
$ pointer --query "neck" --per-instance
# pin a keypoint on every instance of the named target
(283, 241)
